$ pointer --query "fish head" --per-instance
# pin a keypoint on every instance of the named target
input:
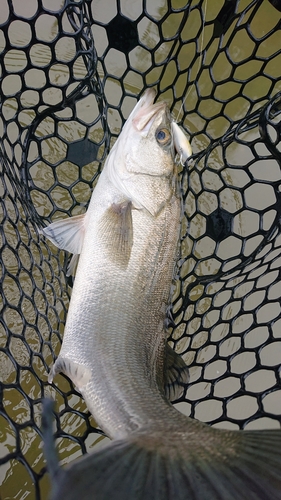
(150, 147)
(141, 165)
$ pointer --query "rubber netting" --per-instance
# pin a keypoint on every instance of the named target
(71, 71)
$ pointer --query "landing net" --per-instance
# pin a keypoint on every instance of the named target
(70, 73)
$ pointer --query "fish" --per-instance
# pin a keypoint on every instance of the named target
(115, 347)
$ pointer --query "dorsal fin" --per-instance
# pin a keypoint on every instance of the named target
(67, 234)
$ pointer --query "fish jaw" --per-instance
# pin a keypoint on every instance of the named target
(143, 106)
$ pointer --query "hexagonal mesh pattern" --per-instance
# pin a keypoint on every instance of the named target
(71, 71)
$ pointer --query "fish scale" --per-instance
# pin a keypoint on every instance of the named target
(114, 344)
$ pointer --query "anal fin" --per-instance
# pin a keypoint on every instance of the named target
(79, 374)
(176, 375)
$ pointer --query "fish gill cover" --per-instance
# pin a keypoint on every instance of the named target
(71, 71)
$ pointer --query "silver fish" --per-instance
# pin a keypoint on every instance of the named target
(115, 343)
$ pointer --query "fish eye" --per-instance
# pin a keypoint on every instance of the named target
(163, 136)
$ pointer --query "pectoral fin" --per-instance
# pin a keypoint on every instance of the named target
(176, 375)
(116, 230)
(67, 234)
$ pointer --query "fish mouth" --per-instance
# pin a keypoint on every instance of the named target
(144, 114)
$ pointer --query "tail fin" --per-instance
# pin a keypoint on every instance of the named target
(207, 465)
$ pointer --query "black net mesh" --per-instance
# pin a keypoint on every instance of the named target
(70, 73)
